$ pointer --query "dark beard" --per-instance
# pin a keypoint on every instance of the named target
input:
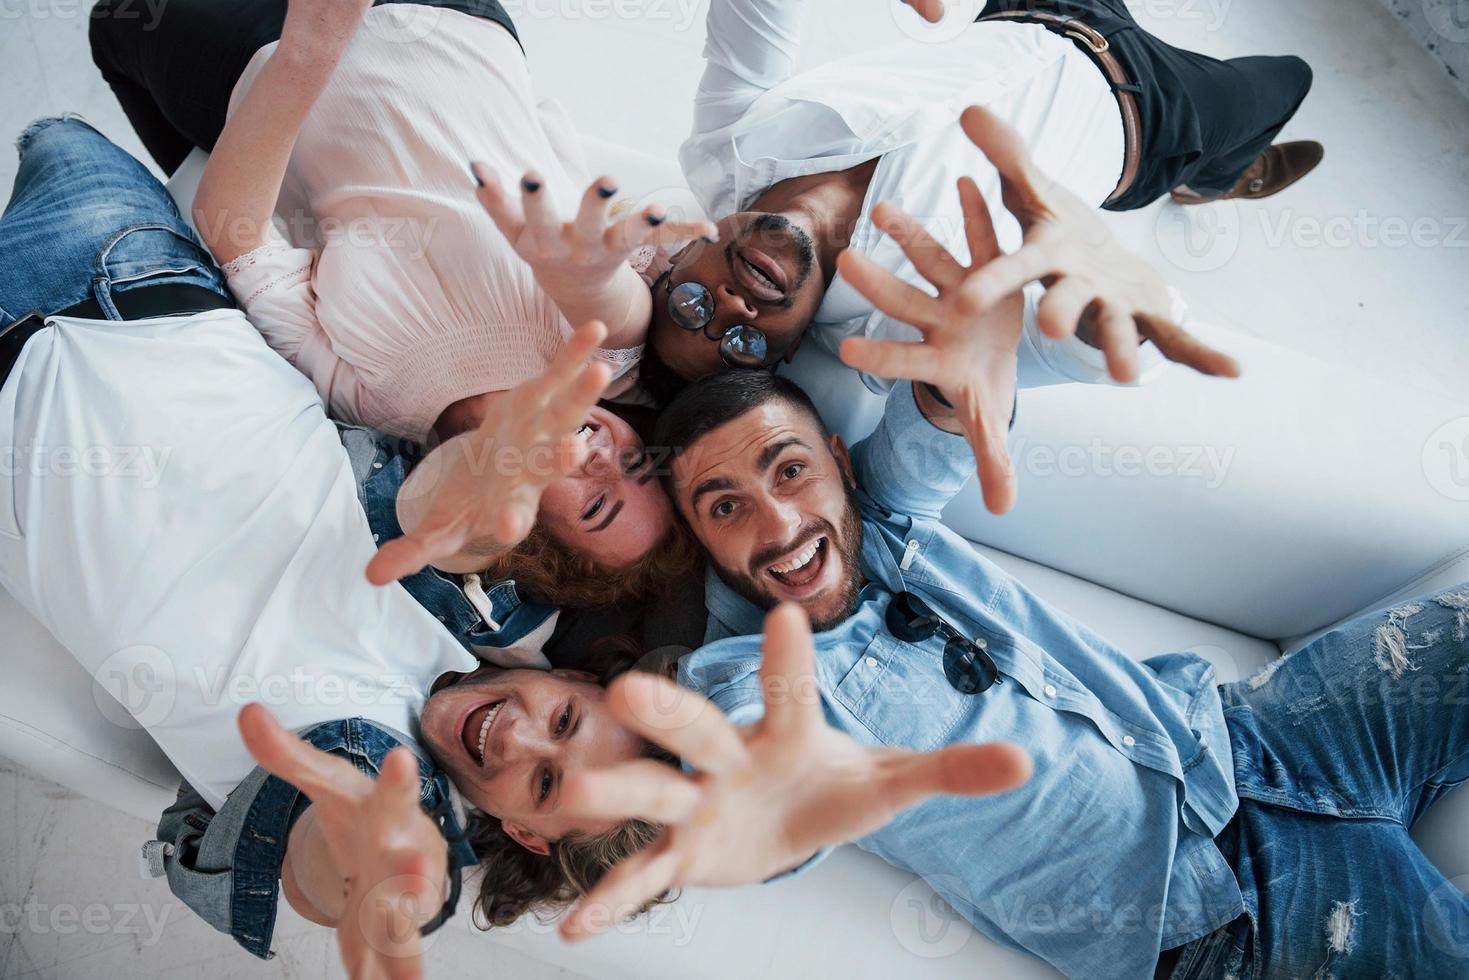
(850, 588)
(777, 224)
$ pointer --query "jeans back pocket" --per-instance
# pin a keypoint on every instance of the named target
(144, 253)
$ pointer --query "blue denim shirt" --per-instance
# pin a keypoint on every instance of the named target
(226, 865)
(380, 465)
(1106, 857)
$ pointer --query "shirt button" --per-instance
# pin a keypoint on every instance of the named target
(441, 619)
(1129, 741)
(872, 661)
(1050, 690)
(377, 466)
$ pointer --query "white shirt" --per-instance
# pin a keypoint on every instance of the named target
(757, 122)
(177, 510)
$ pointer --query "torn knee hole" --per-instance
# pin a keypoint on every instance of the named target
(45, 122)
(1390, 643)
(1459, 603)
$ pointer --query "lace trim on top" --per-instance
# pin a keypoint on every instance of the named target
(623, 355)
(258, 255)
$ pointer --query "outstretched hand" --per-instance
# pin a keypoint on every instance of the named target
(971, 330)
(388, 850)
(766, 796)
(582, 264)
(477, 494)
(592, 244)
(968, 351)
(1092, 283)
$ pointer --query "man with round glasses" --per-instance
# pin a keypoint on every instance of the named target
(794, 167)
(692, 307)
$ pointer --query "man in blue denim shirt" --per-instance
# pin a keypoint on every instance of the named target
(1172, 825)
(1131, 753)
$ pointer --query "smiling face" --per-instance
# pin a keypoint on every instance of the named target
(509, 738)
(770, 498)
(762, 272)
(613, 509)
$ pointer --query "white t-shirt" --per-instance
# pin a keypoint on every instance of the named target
(177, 509)
(758, 122)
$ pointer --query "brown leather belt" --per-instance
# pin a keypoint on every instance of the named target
(1100, 50)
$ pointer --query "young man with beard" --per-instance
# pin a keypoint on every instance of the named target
(1173, 826)
(794, 164)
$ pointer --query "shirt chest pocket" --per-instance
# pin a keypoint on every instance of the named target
(899, 693)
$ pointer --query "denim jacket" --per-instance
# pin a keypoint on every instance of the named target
(489, 620)
(226, 865)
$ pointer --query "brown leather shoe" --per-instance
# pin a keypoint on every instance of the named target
(1276, 169)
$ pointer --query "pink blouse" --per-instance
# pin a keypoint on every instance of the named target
(387, 284)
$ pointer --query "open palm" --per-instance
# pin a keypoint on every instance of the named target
(1092, 283)
(388, 849)
(767, 796)
(477, 494)
(582, 264)
(968, 350)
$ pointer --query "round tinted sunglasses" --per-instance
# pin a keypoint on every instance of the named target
(691, 306)
(967, 666)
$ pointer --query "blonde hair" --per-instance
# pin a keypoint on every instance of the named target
(516, 881)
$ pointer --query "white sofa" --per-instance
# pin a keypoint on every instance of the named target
(1327, 494)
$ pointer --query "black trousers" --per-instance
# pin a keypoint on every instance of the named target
(173, 73)
(1204, 121)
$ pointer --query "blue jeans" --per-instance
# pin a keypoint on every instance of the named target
(86, 220)
(1338, 751)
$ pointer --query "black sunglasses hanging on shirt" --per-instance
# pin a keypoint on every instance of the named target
(969, 669)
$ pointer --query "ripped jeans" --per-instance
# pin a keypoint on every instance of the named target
(1339, 749)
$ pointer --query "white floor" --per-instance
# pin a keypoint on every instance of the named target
(1366, 263)
(72, 905)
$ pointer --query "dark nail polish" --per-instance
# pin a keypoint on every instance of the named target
(475, 174)
(654, 219)
(606, 191)
(531, 186)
